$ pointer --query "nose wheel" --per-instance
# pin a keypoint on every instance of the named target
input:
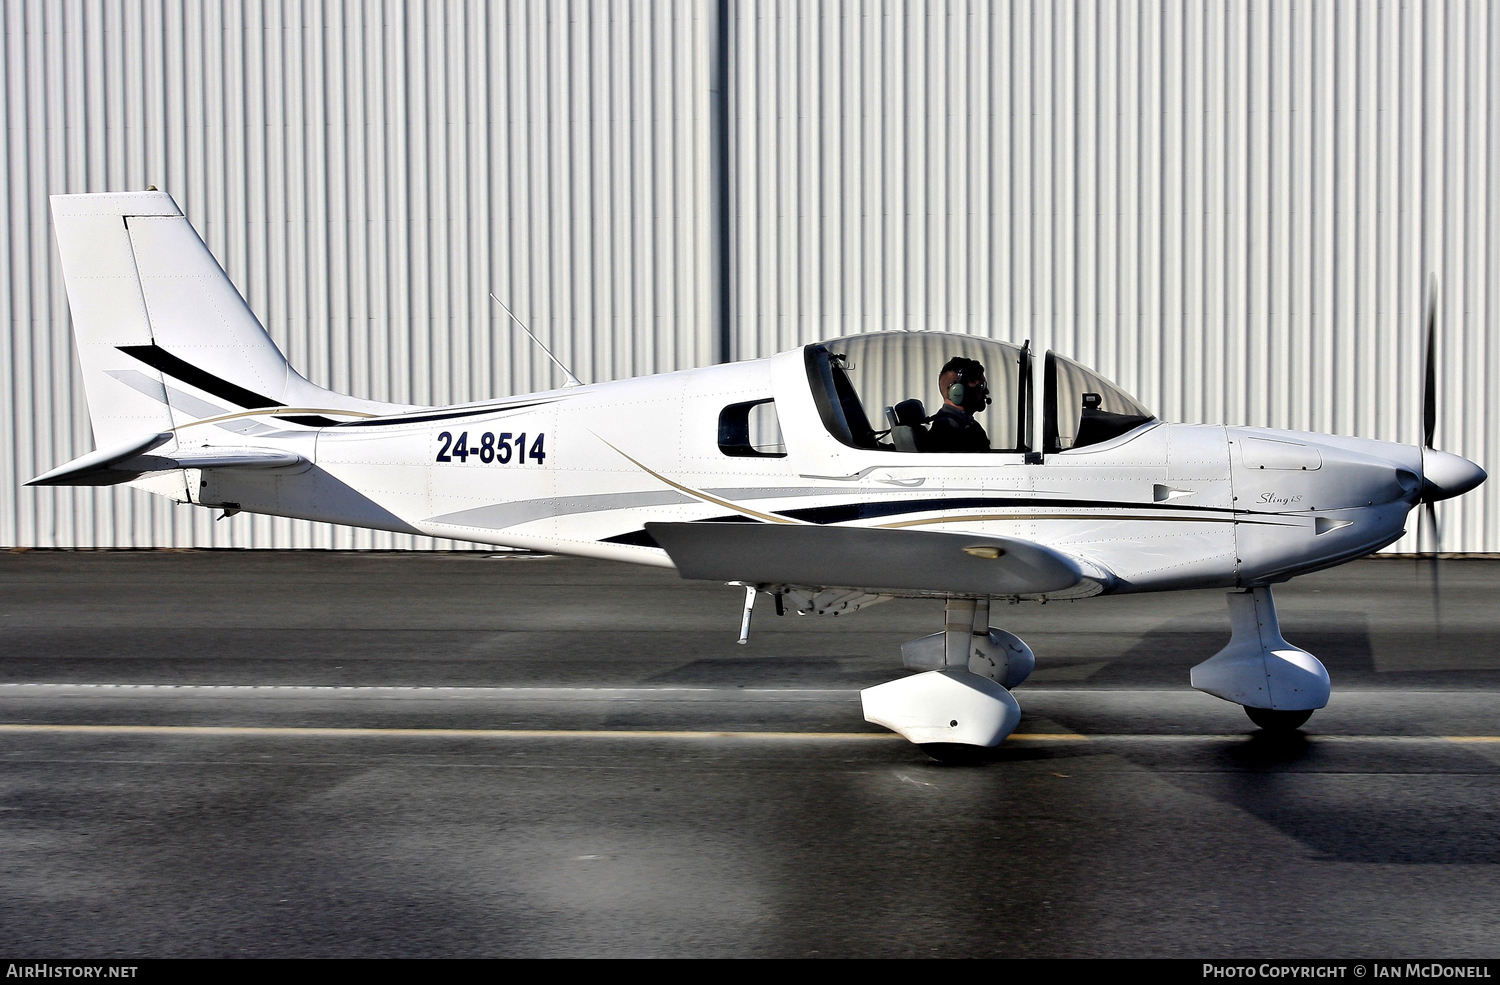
(955, 753)
(1278, 722)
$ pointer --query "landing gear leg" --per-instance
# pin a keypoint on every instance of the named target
(1279, 685)
(953, 713)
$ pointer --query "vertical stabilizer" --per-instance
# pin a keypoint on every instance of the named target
(163, 336)
(104, 295)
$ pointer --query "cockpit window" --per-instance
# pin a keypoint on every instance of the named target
(1083, 408)
(882, 391)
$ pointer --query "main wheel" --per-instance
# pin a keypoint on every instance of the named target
(1278, 721)
(956, 753)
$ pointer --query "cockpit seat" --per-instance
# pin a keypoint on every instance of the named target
(908, 421)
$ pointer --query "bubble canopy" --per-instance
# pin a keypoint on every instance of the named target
(882, 391)
(1082, 408)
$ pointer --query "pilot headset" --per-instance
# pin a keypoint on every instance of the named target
(958, 390)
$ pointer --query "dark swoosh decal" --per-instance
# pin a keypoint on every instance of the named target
(845, 512)
(158, 358)
(312, 421)
(636, 538)
(640, 538)
(862, 511)
(445, 416)
(163, 361)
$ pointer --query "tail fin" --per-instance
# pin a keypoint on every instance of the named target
(163, 336)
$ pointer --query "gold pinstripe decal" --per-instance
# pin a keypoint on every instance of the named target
(699, 494)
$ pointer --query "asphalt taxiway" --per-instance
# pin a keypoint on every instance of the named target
(221, 753)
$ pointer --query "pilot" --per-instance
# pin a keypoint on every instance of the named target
(953, 428)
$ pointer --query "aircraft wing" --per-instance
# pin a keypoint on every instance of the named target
(871, 558)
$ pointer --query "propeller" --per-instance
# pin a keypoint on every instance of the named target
(1428, 518)
(1429, 380)
(1444, 475)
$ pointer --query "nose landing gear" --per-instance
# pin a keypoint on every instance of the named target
(1279, 685)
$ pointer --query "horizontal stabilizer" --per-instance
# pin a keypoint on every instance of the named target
(131, 460)
(228, 458)
(94, 469)
(865, 557)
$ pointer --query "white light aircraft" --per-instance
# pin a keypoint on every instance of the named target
(815, 476)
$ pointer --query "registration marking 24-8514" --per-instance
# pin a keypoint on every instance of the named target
(505, 448)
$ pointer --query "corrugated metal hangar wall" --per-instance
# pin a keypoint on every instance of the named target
(1228, 207)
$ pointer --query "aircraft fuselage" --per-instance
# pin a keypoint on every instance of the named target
(581, 470)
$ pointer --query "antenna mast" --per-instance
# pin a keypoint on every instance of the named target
(572, 380)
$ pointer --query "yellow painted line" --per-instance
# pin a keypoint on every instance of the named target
(1048, 737)
(500, 733)
(453, 733)
(480, 733)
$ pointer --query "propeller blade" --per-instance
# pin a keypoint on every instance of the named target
(1429, 519)
(1429, 381)
(1416, 571)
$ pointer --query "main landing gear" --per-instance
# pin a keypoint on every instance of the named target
(1279, 685)
(962, 705)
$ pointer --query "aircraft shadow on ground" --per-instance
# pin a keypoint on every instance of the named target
(1348, 646)
(1419, 818)
(1316, 793)
(767, 671)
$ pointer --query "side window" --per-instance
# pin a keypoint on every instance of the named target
(1083, 408)
(751, 430)
(892, 381)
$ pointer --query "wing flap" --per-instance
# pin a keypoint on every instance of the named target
(870, 558)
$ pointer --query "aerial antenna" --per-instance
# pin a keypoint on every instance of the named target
(572, 380)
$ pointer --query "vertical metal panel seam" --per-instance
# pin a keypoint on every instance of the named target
(902, 165)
